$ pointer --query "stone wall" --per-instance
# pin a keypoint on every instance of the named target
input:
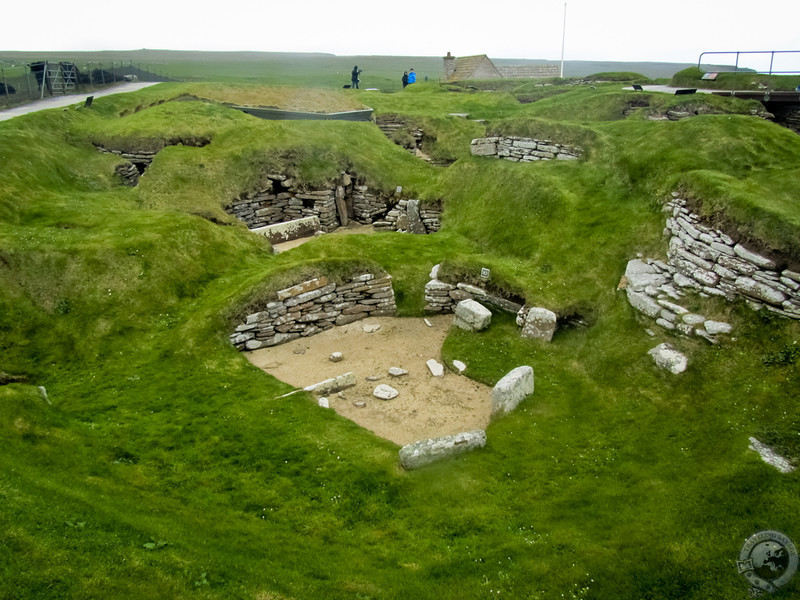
(315, 306)
(530, 71)
(413, 217)
(441, 296)
(519, 149)
(706, 261)
(709, 261)
(281, 199)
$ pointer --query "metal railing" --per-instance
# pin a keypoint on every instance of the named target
(764, 53)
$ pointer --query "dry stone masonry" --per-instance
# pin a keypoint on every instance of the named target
(440, 296)
(281, 199)
(411, 216)
(315, 306)
(706, 261)
(520, 149)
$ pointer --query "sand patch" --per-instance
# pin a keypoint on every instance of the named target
(426, 407)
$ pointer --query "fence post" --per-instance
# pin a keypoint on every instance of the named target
(28, 81)
(5, 84)
(771, 60)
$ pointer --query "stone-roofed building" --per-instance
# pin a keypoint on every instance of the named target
(480, 66)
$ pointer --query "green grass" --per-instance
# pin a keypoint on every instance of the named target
(162, 464)
(692, 77)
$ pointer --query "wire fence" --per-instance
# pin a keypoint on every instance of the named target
(43, 79)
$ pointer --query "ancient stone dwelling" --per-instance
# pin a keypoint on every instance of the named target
(480, 66)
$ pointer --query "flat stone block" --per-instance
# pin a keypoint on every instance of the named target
(418, 454)
(514, 387)
(472, 316)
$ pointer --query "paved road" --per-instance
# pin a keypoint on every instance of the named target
(59, 101)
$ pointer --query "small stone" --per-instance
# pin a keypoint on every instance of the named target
(299, 350)
(336, 357)
(397, 371)
(373, 378)
(323, 402)
(669, 358)
(436, 368)
(459, 366)
(385, 392)
(359, 404)
(370, 327)
(428, 323)
(716, 327)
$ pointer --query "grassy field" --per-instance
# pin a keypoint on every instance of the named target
(160, 463)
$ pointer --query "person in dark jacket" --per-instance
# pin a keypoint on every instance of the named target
(405, 78)
(354, 77)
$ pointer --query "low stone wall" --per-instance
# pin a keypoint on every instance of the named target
(441, 296)
(412, 216)
(519, 149)
(280, 200)
(709, 262)
(315, 306)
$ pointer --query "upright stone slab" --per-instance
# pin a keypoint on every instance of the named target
(415, 224)
(418, 454)
(539, 323)
(512, 389)
(472, 316)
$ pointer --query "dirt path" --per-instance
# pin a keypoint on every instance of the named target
(426, 406)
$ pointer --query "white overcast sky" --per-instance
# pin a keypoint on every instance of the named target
(624, 30)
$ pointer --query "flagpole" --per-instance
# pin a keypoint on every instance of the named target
(563, 39)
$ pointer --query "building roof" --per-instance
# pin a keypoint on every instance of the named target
(474, 67)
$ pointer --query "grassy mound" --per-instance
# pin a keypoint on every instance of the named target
(158, 462)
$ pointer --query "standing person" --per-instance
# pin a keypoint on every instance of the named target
(354, 77)
(405, 78)
(412, 76)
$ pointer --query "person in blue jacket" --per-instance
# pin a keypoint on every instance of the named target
(412, 76)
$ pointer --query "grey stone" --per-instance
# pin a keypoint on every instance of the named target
(717, 327)
(540, 323)
(514, 387)
(385, 392)
(769, 456)
(640, 275)
(323, 402)
(418, 454)
(435, 367)
(370, 327)
(669, 325)
(472, 316)
(693, 319)
(397, 372)
(756, 259)
(667, 357)
(336, 357)
(332, 385)
(759, 291)
(459, 366)
(644, 303)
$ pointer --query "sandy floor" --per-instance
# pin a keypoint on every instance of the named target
(426, 406)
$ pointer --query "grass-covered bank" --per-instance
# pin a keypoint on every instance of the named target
(163, 464)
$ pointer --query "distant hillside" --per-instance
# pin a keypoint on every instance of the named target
(295, 66)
